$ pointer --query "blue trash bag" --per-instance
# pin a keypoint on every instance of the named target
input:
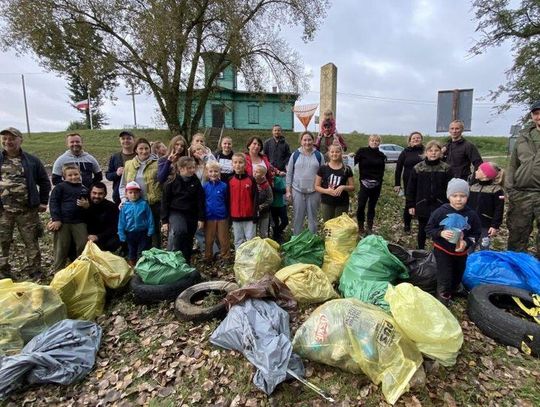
(512, 269)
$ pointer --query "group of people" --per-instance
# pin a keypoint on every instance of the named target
(186, 191)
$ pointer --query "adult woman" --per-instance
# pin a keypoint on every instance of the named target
(334, 181)
(158, 149)
(408, 158)
(177, 148)
(371, 163)
(254, 157)
(143, 170)
(302, 169)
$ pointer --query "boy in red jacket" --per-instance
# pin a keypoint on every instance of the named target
(243, 201)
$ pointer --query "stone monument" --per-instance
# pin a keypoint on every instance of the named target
(328, 88)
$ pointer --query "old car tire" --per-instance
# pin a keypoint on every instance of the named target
(150, 294)
(186, 310)
(487, 308)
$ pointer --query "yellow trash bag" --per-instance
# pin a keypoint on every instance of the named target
(426, 322)
(81, 288)
(26, 309)
(113, 269)
(256, 258)
(307, 282)
(339, 242)
(359, 337)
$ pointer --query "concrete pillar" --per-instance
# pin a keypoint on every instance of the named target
(328, 88)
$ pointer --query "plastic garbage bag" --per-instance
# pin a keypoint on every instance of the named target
(305, 248)
(81, 288)
(256, 258)
(425, 321)
(368, 271)
(359, 337)
(340, 236)
(259, 329)
(307, 282)
(158, 266)
(26, 309)
(268, 287)
(113, 269)
(62, 354)
(422, 267)
(513, 269)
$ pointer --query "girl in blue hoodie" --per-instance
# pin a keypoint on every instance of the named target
(135, 223)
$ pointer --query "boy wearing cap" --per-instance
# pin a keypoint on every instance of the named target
(116, 162)
(523, 186)
(24, 192)
(454, 228)
(487, 200)
(135, 223)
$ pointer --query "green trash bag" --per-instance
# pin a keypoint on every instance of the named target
(305, 248)
(158, 266)
(368, 271)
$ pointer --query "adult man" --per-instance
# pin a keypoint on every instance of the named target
(90, 170)
(24, 191)
(277, 150)
(102, 219)
(523, 186)
(460, 153)
(117, 160)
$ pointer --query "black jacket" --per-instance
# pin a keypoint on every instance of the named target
(470, 235)
(102, 220)
(278, 153)
(426, 189)
(371, 163)
(182, 196)
(36, 177)
(405, 163)
(487, 200)
(63, 202)
(460, 155)
(116, 161)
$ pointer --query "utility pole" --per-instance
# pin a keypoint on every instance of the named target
(25, 106)
(132, 94)
(90, 112)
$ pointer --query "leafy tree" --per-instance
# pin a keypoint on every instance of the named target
(159, 44)
(79, 90)
(503, 20)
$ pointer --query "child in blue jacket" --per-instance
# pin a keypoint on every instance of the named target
(135, 223)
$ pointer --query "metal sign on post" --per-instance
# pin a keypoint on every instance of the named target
(453, 105)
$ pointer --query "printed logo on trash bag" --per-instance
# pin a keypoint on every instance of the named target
(321, 333)
(385, 333)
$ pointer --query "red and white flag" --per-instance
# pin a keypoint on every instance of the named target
(82, 105)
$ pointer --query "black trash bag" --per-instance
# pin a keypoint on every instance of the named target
(259, 329)
(421, 264)
(63, 354)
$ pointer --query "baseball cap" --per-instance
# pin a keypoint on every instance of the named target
(13, 131)
(132, 185)
(126, 133)
(535, 106)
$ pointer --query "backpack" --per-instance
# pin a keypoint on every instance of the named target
(296, 154)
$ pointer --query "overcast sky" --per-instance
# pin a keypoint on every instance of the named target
(384, 50)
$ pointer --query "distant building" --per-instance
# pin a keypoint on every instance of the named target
(238, 109)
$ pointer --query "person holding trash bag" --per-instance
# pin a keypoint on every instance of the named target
(371, 163)
(302, 169)
(454, 228)
(412, 155)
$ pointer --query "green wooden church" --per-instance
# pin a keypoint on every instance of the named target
(237, 109)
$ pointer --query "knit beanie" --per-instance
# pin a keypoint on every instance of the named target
(457, 185)
(489, 170)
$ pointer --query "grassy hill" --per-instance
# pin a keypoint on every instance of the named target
(102, 143)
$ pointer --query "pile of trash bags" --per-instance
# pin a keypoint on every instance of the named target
(81, 285)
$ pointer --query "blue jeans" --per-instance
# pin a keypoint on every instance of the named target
(137, 242)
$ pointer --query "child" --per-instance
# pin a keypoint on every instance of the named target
(66, 204)
(454, 228)
(217, 214)
(334, 181)
(243, 201)
(199, 140)
(487, 200)
(135, 223)
(426, 188)
(264, 200)
(328, 134)
(224, 158)
(182, 206)
(278, 209)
